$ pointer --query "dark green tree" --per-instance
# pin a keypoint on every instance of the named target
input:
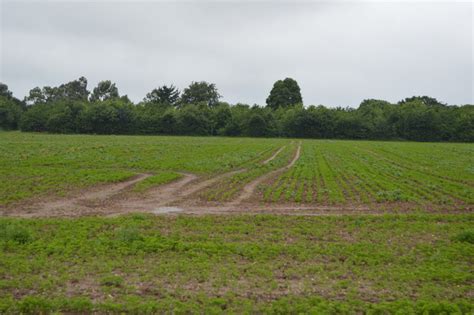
(105, 90)
(256, 126)
(35, 118)
(192, 121)
(65, 109)
(63, 116)
(200, 92)
(10, 113)
(284, 93)
(426, 100)
(298, 122)
(163, 95)
(4, 91)
(376, 116)
(72, 91)
(36, 96)
(168, 122)
(221, 115)
(464, 128)
(11, 109)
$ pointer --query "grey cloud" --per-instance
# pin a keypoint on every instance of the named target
(340, 53)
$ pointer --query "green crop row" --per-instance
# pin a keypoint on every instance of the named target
(371, 173)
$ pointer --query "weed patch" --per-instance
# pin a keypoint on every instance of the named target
(465, 236)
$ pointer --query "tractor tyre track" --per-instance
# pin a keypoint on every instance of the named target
(274, 155)
(85, 200)
(250, 188)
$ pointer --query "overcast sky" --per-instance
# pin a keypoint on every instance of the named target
(339, 52)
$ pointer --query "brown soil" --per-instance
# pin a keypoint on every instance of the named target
(87, 199)
(181, 196)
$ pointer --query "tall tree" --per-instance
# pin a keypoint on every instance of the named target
(4, 91)
(426, 100)
(256, 126)
(163, 95)
(201, 92)
(10, 113)
(73, 91)
(105, 90)
(38, 95)
(284, 93)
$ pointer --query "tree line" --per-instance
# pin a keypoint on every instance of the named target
(197, 110)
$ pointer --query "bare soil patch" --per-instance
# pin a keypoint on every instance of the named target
(78, 203)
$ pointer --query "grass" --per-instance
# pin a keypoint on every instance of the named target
(263, 263)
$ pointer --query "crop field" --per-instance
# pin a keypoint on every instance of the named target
(147, 224)
(367, 172)
(264, 263)
(222, 172)
(34, 164)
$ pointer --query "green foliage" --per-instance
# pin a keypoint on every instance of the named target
(257, 126)
(465, 236)
(11, 109)
(105, 90)
(67, 109)
(200, 92)
(373, 120)
(37, 164)
(114, 116)
(14, 232)
(168, 95)
(193, 121)
(228, 187)
(4, 91)
(374, 173)
(10, 113)
(35, 118)
(72, 91)
(111, 281)
(239, 264)
(284, 93)
(155, 180)
(436, 176)
(425, 100)
(129, 235)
